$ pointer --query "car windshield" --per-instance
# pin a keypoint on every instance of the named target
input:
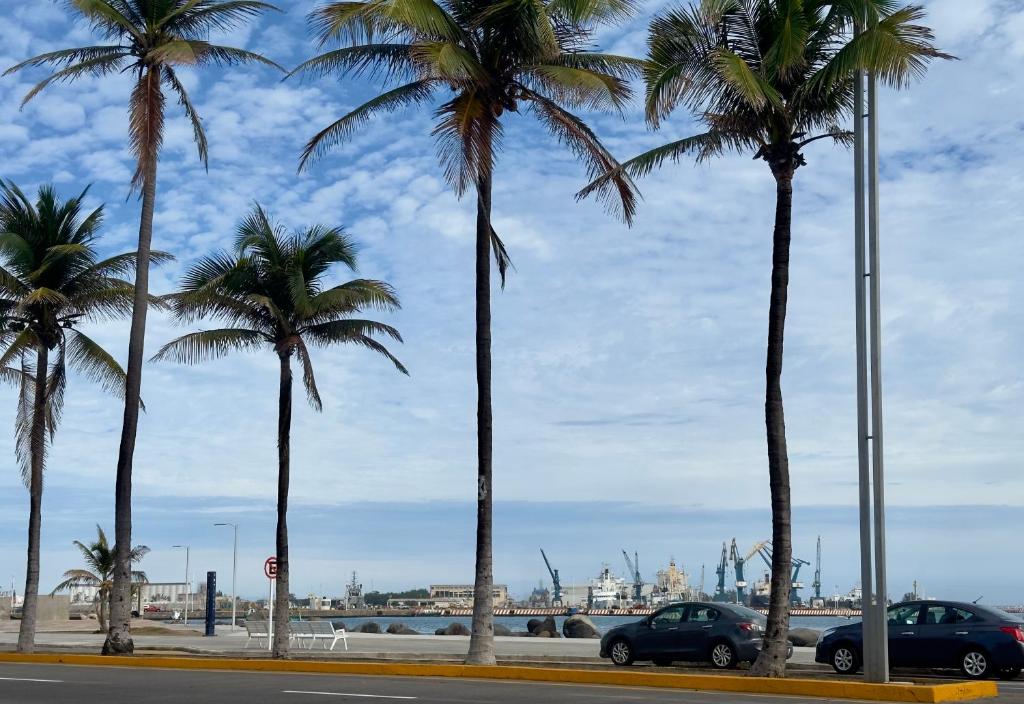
(744, 612)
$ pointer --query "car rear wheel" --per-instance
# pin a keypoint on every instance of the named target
(723, 656)
(621, 653)
(975, 664)
(1010, 673)
(845, 659)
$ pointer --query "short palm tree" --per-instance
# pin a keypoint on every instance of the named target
(99, 561)
(50, 282)
(270, 293)
(492, 58)
(771, 77)
(151, 39)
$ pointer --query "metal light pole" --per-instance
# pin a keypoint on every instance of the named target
(187, 586)
(234, 571)
(869, 384)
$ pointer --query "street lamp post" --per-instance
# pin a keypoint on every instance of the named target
(869, 381)
(234, 571)
(187, 586)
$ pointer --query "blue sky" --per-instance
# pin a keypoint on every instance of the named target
(628, 364)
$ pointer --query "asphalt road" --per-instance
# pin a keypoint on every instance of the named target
(31, 684)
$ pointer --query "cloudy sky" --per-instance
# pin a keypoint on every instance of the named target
(628, 363)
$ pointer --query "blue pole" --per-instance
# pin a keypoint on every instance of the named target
(211, 602)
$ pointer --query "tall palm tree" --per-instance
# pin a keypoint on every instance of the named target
(492, 57)
(771, 77)
(270, 293)
(151, 39)
(99, 561)
(50, 281)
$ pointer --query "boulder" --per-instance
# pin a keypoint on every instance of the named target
(456, 629)
(400, 629)
(369, 627)
(580, 626)
(500, 630)
(339, 625)
(803, 637)
(439, 632)
(548, 626)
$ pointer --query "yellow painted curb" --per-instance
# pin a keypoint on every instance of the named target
(837, 689)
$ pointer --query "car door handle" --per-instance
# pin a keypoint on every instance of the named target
(960, 633)
(907, 633)
(706, 627)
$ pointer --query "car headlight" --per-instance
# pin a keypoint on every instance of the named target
(824, 634)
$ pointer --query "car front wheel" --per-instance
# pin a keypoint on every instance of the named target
(845, 659)
(975, 664)
(723, 656)
(621, 653)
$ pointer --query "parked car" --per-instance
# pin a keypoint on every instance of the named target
(980, 641)
(152, 609)
(723, 635)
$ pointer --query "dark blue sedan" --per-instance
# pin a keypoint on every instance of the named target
(721, 634)
(980, 641)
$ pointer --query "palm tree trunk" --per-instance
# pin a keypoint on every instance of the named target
(771, 662)
(284, 425)
(37, 448)
(119, 637)
(101, 609)
(481, 642)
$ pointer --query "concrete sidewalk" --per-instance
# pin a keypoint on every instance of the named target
(361, 646)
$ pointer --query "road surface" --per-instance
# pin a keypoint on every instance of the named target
(39, 684)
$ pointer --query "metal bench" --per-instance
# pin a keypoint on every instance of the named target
(258, 630)
(322, 631)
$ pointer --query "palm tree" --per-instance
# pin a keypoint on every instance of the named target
(493, 57)
(270, 294)
(772, 76)
(99, 560)
(150, 39)
(50, 281)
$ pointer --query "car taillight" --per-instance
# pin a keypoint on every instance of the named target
(749, 627)
(1014, 631)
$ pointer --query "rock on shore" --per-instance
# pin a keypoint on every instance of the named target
(543, 629)
(580, 626)
(370, 627)
(452, 629)
(803, 637)
(400, 629)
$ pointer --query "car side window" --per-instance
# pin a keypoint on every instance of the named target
(938, 615)
(904, 615)
(702, 614)
(669, 616)
(964, 616)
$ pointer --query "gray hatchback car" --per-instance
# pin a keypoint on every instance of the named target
(723, 635)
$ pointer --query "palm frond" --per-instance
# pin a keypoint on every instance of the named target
(620, 192)
(308, 378)
(206, 345)
(95, 363)
(342, 129)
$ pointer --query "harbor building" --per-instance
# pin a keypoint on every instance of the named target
(462, 595)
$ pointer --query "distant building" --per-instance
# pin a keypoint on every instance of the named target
(152, 593)
(462, 594)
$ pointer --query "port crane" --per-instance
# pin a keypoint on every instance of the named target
(765, 550)
(556, 585)
(738, 562)
(723, 566)
(634, 570)
(816, 584)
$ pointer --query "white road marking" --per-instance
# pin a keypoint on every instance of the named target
(343, 694)
(26, 679)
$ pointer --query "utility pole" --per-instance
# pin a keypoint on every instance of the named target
(869, 381)
(234, 572)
